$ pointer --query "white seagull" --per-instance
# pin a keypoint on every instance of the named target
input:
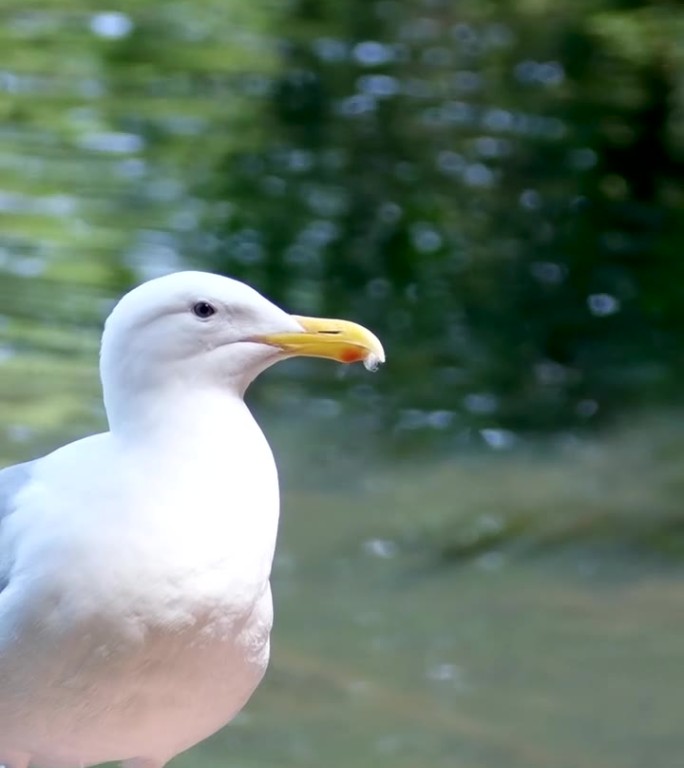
(135, 605)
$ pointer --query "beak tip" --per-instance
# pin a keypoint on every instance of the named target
(373, 361)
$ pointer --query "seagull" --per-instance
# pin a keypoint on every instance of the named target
(135, 603)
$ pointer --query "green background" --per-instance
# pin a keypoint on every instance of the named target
(486, 568)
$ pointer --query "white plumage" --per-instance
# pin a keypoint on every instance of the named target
(135, 609)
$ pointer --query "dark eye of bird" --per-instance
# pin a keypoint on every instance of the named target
(203, 310)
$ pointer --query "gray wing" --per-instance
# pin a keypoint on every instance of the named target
(11, 481)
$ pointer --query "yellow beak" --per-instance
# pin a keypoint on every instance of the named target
(334, 339)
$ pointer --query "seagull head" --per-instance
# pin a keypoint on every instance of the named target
(195, 329)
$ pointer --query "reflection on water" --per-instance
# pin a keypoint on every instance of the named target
(563, 660)
(420, 622)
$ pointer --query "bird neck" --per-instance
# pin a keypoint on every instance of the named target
(181, 414)
(204, 459)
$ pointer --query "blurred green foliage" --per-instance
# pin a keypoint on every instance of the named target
(494, 187)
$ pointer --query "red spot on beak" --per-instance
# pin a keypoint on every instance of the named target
(352, 356)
